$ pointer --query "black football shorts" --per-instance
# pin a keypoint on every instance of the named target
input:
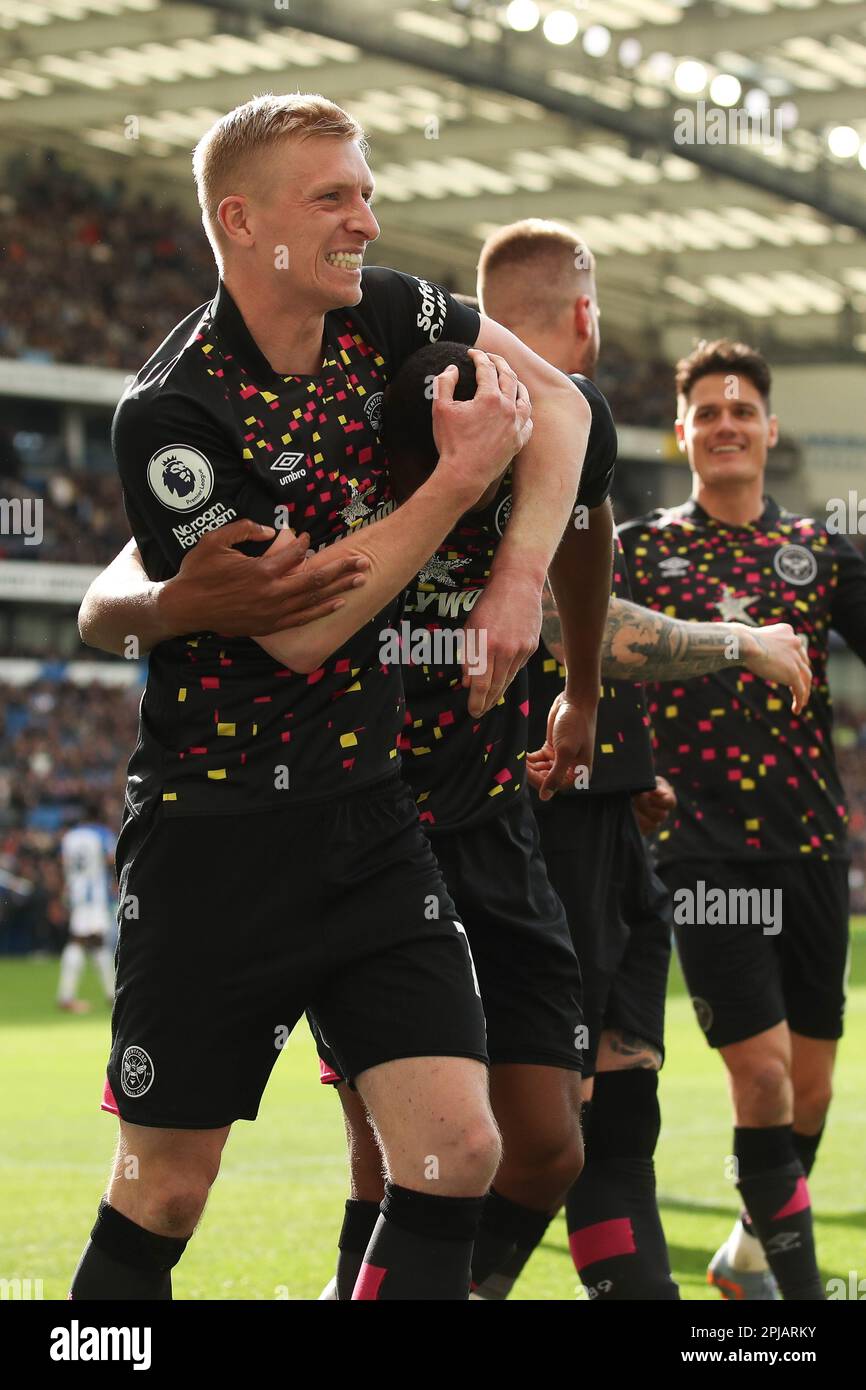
(618, 912)
(762, 942)
(232, 925)
(521, 946)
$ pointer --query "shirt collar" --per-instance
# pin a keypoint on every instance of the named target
(693, 511)
(232, 329)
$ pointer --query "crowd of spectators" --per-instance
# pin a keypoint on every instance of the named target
(97, 274)
(92, 273)
(80, 518)
(63, 747)
(640, 390)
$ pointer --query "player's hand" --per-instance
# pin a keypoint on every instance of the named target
(777, 653)
(507, 618)
(653, 808)
(566, 758)
(477, 439)
(219, 589)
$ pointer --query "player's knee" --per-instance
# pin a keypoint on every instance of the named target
(477, 1154)
(565, 1164)
(764, 1083)
(174, 1208)
(550, 1161)
(811, 1103)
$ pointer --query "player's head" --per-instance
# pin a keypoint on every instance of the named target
(724, 422)
(407, 412)
(284, 187)
(538, 279)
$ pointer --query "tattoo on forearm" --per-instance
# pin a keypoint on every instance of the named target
(551, 626)
(640, 644)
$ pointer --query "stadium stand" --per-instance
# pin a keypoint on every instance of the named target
(144, 267)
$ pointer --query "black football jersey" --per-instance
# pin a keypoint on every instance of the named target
(622, 758)
(208, 433)
(462, 769)
(752, 778)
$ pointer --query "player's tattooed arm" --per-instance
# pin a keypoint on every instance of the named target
(551, 626)
(642, 645)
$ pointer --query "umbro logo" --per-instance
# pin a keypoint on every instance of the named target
(291, 465)
(675, 565)
(783, 1242)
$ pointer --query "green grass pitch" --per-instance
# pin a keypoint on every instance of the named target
(271, 1224)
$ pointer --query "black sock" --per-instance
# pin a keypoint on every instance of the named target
(358, 1226)
(773, 1187)
(505, 1227)
(614, 1228)
(124, 1261)
(421, 1247)
(806, 1148)
(498, 1285)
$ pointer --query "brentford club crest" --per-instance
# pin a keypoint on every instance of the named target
(796, 564)
(136, 1072)
(373, 410)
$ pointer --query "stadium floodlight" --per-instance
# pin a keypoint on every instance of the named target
(725, 89)
(630, 52)
(661, 66)
(596, 40)
(756, 102)
(522, 15)
(690, 77)
(560, 27)
(788, 115)
(843, 141)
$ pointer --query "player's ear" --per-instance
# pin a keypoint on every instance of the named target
(679, 431)
(773, 432)
(583, 317)
(234, 219)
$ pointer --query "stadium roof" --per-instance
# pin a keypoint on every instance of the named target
(478, 116)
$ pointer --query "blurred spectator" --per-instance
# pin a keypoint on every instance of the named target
(83, 520)
(640, 390)
(93, 274)
(62, 745)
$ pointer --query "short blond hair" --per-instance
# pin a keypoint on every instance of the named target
(529, 270)
(223, 158)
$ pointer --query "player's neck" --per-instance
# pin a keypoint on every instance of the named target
(737, 504)
(561, 353)
(291, 340)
